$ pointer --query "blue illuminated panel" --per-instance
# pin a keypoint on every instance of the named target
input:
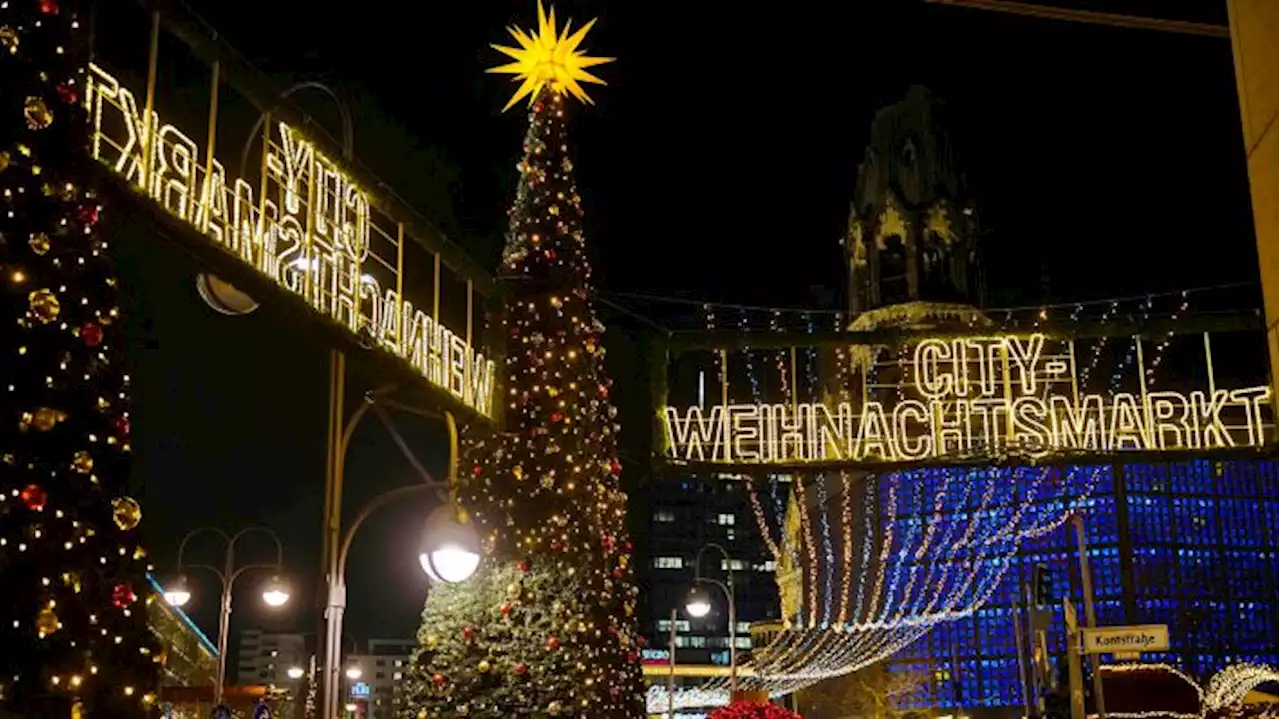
(1190, 544)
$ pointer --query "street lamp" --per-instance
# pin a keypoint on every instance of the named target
(450, 548)
(275, 593)
(698, 604)
(296, 673)
(354, 672)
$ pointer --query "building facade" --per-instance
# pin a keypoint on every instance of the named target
(688, 513)
(374, 693)
(264, 658)
(1189, 544)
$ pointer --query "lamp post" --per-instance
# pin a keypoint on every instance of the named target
(274, 594)
(449, 550)
(699, 604)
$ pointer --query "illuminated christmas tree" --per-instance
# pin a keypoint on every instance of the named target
(546, 628)
(74, 639)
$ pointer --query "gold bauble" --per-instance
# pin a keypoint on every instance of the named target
(45, 419)
(72, 579)
(38, 114)
(39, 243)
(483, 667)
(554, 708)
(422, 714)
(9, 39)
(126, 512)
(82, 462)
(432, 641)
(43, 305)
(47, 621)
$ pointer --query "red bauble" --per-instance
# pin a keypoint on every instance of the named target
(467, 633)
(615, 468)
(68, 94)
(553, 642)
(632, 657)
(88, 214)
(523, 565)
(617, 573)
(91, 334)
(626, 545)
(522, 669)
(506, 610)
(438, 679)
(551, 254)
(123, 595)
(557, 417)
(34, 496)
(476, 470)
(49, 7)
(606, 540)
(122, 426)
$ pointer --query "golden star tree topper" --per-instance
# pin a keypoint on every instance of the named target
(549, 57)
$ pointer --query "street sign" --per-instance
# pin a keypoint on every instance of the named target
(1125, 641)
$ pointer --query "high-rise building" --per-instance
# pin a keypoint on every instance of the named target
(266, 657)
(688, 513)
(381, 668)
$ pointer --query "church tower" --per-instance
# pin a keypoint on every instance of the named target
(913, 227)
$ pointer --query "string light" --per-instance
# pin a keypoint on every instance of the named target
(547, 625)
(1230, 685)
(64, 454)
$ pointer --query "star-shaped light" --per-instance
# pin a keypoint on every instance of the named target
(549, 58)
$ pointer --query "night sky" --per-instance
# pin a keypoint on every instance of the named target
(717, 164)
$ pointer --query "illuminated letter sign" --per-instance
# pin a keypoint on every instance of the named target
(967, 396)
(307, 226)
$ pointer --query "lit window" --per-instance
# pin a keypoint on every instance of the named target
(664, 625)
(726, 520)
(397, 675)
(664, 515)
(668, 562)
(736, 565)
(767, 566)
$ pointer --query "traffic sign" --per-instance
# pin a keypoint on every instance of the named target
(1125, 642)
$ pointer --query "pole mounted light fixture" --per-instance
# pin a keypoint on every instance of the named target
(177, 593)
(450, 549)
(698, 603)
(275, 593)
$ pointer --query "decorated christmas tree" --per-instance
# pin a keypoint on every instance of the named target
(74, 640)
(546, 627)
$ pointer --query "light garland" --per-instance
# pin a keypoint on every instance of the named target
(1232, 684)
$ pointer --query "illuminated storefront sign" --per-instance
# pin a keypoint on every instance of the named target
(967, 395)
(306, 225)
